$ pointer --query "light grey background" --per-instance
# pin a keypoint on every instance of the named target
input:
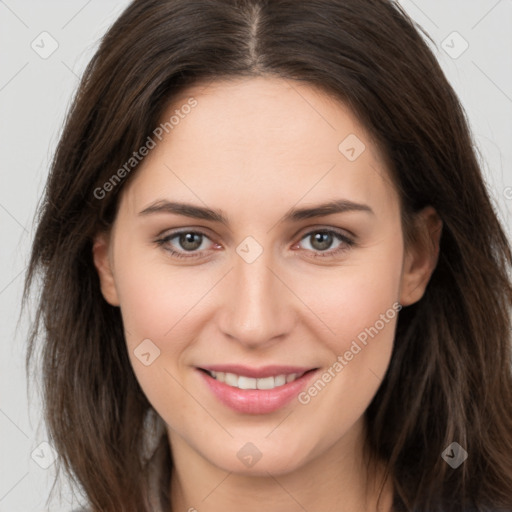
(35, 93)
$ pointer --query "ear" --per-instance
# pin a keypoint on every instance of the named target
(421, 256)
(103, 264)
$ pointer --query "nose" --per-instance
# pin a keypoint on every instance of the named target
(258, 310)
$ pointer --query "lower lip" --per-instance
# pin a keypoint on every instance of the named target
(256, 401)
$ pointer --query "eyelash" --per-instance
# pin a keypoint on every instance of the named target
(347, 243)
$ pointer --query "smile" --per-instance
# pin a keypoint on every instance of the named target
(255, 390)
(244, 382)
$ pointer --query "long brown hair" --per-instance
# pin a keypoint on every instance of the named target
(450, 374)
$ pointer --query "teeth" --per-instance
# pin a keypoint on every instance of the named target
(280, 380)
(246, 383)
(266, 383)
(242, 382)
(230, 379)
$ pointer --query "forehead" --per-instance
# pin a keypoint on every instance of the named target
(252, 113)
(253, 141)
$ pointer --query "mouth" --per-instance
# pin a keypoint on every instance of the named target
(255, 391)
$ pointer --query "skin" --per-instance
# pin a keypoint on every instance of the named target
(255, 148)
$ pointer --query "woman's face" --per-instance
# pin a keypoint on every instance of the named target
(272, 290)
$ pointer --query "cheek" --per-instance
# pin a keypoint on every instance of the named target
(159, 306)
(154, 294)
(167, 305)
(361, 308)
(357, 301)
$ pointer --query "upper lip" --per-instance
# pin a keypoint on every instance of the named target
(257, 373)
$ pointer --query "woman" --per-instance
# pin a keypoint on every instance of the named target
(332, 330)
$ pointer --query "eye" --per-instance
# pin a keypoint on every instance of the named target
(191, 242)
(187, 242)
(322, 239)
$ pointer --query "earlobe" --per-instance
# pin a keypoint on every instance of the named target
(101, 258)
(421, 257)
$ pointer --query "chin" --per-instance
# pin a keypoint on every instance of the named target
(259, 458)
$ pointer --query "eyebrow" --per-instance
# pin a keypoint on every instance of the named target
(293, 215)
